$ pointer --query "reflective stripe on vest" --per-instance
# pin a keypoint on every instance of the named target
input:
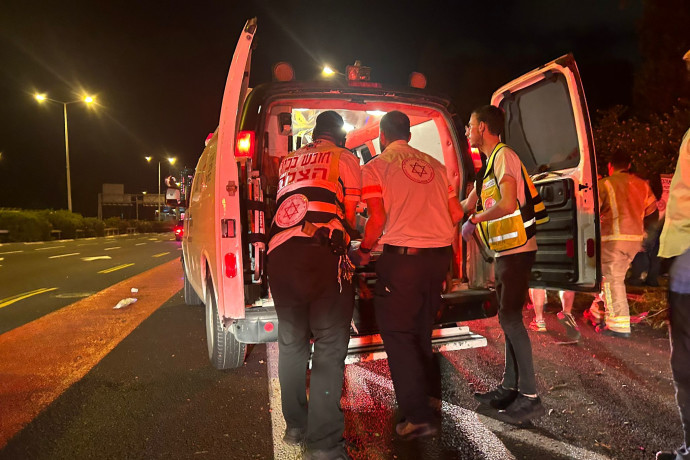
(309, 194)
(515, 229)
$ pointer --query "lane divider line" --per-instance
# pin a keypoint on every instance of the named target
(111, 248)
(281, 450)
(117, 267)
(51, 247)
(18, 297)
(11, 252)
(64, 255)
(161, 254)
(139, 244)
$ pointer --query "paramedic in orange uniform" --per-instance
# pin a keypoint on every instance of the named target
(318, 191)
(409, 202)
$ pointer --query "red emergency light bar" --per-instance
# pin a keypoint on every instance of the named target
(244, 146)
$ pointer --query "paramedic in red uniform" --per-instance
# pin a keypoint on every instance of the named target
(508, 210)
(318, 191)
(409, 204)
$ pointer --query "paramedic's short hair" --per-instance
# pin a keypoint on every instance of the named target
(395, 125)
(620, 159)
(493, 117)
(329, 124)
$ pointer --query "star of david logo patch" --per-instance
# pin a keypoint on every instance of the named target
(418, 170)
(292, 211)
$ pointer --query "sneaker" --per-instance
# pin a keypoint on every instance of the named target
(294, 436)
(498, 398)
(409, 430)
(522, 410)
(608, 332)
(539, 326)
(334, 453)
(568, 321)
(666, 455)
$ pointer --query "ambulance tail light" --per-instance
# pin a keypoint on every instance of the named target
(244, 146)
(230, 265)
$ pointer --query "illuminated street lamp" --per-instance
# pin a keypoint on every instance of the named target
(86, 99)
(172, 161)
(328, 71)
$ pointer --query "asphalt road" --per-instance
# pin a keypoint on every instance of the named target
(38, 278)
(154, 395)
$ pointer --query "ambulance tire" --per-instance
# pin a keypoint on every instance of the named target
(190, 295)
(224, 351)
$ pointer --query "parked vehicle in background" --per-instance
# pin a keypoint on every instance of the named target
(178, 230)
(233, 194)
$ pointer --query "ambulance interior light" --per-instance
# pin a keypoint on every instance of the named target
(244, 145)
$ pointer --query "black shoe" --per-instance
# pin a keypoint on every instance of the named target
(568, 321)
(666, 455)
(334, 453)
(522, 410)
(294, 436)
(498, 398)
(609, 333)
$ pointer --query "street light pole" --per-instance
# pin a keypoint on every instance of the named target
(88, 100)
(159, 190)
(69, 182)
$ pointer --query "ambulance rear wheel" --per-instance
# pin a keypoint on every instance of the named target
(190, 295)
(224, 351)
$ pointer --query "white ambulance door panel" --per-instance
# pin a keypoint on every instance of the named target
(548, 126)
(227, 270)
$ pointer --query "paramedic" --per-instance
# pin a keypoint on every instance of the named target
(412, 212)
(318, 191)
(508, 208)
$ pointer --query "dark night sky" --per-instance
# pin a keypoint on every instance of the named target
(159, 68)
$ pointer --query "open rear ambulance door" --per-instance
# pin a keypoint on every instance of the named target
(229, 282)
(548, 126)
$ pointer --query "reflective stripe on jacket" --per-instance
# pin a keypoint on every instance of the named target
(309, 188)
(624, 201)
(515, 229)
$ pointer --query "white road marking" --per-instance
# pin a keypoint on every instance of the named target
(64, 255)
(45, 249)
(139, 244)
(89, 259)
(111, 248)
(161, 254)
(11, 252)
(28, 243)
(280, 449)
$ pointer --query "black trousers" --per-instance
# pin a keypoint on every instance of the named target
(512, 284)
(679, 331)
(406, 299)
(304, 284)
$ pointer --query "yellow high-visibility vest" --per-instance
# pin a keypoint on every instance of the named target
(515, 229)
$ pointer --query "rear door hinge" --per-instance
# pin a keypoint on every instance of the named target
(231, 188)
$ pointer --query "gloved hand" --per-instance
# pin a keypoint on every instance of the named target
(358, 258)
(468, 229)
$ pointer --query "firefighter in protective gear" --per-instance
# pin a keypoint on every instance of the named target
(319, 188)
(625, 202)
(508, 208)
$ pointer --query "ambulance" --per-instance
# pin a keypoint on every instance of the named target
(233, 194)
